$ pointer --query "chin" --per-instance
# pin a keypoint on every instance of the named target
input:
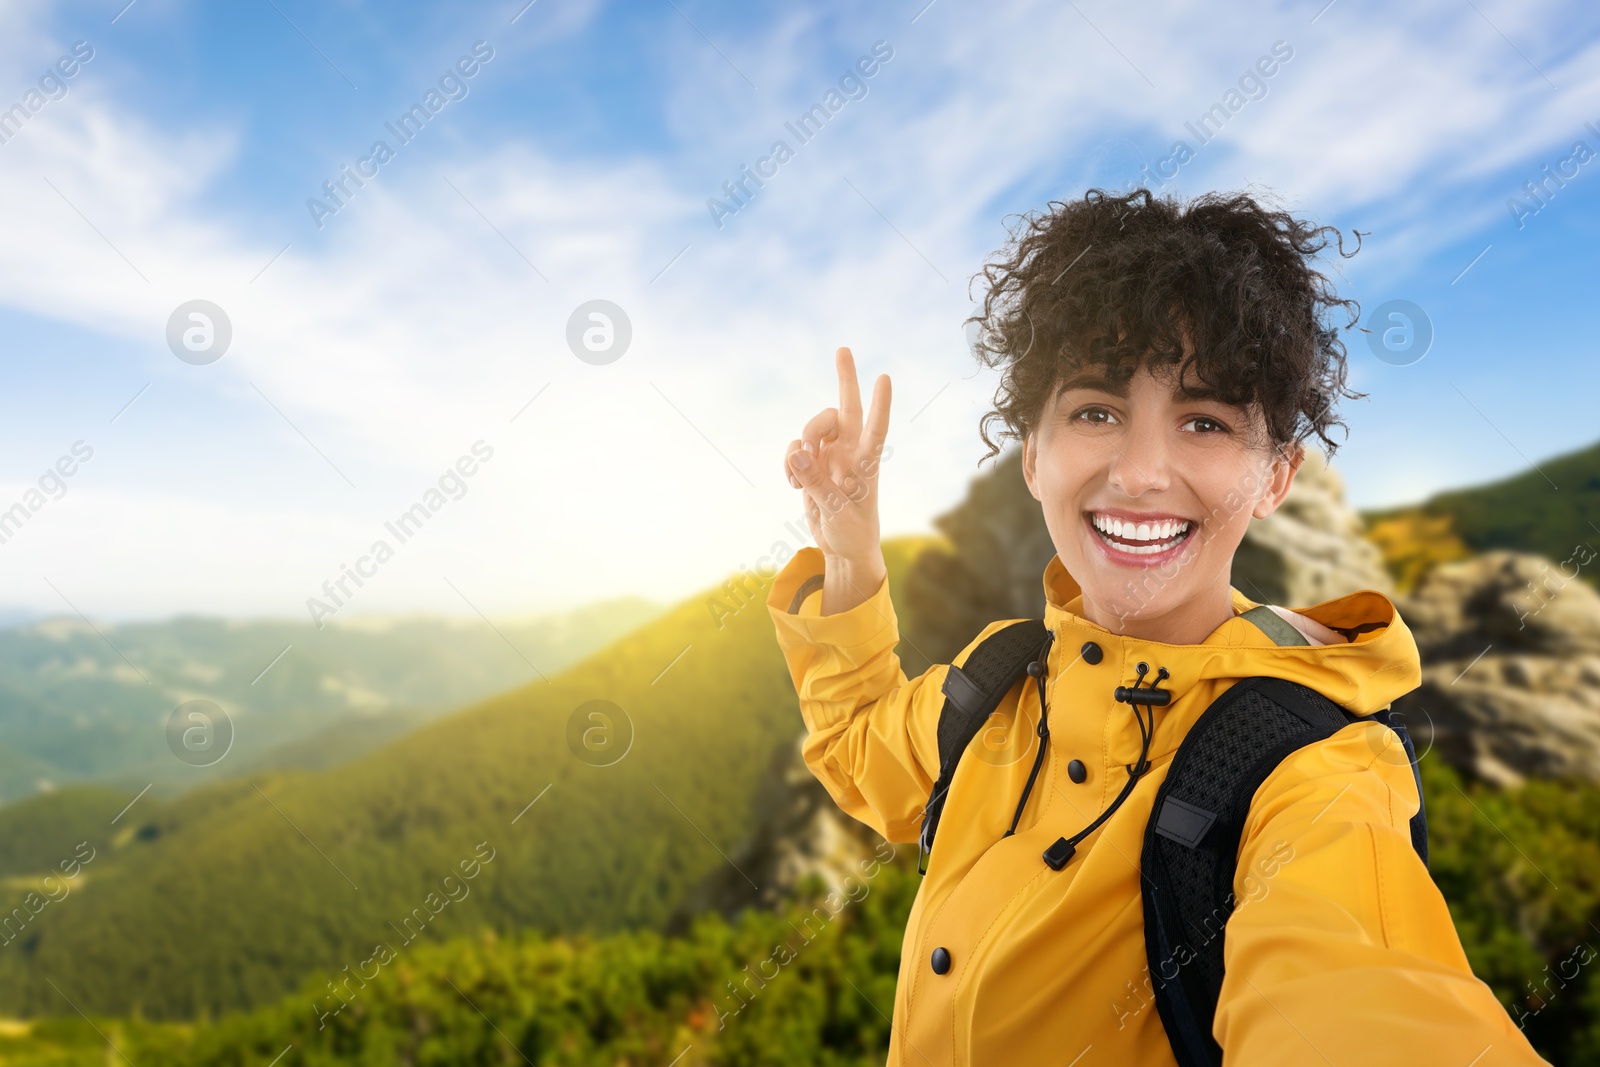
(1132, 601)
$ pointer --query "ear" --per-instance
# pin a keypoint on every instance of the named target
(1030, 464)
(1280, 476)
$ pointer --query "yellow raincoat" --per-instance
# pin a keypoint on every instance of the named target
(1341, 950)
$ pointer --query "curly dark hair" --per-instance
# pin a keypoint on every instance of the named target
(1117, 281)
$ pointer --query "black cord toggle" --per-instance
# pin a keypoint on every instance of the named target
(1139, 695)
(1061, 852)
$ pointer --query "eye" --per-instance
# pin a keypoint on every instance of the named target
(1076, 416)
(1220, 428)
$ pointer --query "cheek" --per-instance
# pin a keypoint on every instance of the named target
(1230, 501)
(1059, 478)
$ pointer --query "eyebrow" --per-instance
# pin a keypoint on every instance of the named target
(1090, 380)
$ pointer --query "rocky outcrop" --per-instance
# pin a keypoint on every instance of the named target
(1000, 547)
(800, 832)
(1510, 646)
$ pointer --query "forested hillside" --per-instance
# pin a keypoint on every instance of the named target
(225, 897)
(813, 984)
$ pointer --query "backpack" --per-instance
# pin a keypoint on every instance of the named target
(1191, 841)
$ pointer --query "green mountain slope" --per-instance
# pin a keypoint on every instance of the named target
(1553, 511)
(37, 833)
(229, 895)
(21, 772)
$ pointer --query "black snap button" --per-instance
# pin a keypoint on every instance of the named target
(1076, 771)
(941, 960)
(1090, 652)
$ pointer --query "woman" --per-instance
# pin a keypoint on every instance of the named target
(1161, 365)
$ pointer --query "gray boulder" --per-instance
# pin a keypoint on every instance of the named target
(1511, 668)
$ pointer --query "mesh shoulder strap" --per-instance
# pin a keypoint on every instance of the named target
(972, 691)
(1191, 843)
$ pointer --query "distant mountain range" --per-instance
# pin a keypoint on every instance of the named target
(84, 704)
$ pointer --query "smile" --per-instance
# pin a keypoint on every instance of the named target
(1152, 541)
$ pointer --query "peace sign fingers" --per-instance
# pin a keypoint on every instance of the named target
(834, 462)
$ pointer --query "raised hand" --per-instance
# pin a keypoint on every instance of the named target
(835, 463)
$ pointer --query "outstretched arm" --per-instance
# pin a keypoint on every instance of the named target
(1342, 949)
(870, 732)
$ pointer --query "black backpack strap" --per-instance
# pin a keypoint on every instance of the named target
(972, 691)
(1191, 843)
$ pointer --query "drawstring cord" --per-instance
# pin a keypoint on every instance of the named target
(1036, 672)
(1058, 854)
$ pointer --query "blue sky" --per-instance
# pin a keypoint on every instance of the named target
(371, 353)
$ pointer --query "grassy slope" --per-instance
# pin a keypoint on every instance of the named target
(237, 890)
(628, 998)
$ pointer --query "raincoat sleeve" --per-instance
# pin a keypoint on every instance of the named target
(1341, 948)
(871, 733)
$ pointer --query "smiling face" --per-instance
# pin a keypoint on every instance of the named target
(1147, 494)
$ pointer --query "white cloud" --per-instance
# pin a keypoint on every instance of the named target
(413, 325)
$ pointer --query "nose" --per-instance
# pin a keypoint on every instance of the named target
(1139, 461)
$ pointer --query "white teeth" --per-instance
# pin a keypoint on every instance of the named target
(1159, 536)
